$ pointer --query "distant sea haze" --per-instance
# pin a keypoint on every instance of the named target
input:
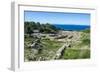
(71, 27)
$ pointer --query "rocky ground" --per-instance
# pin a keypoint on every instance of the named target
(78, 43)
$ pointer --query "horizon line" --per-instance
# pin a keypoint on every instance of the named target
(59, 24)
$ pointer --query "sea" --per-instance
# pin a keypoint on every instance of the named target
(71, 27)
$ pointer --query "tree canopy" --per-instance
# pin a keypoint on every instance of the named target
(43, 28)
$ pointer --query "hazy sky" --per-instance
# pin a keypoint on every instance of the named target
(58, 18)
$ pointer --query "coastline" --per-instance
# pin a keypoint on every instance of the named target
(71, 27)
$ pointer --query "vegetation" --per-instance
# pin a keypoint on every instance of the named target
(43, 28)
(41, 48)
(76, 54)
(86, 31)
(45, 52)
(85, 37)
(44, 48)
(81, 49)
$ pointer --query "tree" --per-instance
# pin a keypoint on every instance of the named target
(29, 31)
(43, 28)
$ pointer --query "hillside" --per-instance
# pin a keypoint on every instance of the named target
(51, 43)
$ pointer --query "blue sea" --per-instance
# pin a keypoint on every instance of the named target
(72, 27)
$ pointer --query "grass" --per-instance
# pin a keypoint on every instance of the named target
(49, 48)
(52, 45)
(76, 54)
(79, 49)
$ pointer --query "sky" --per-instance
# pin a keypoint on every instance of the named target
(57, 17)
